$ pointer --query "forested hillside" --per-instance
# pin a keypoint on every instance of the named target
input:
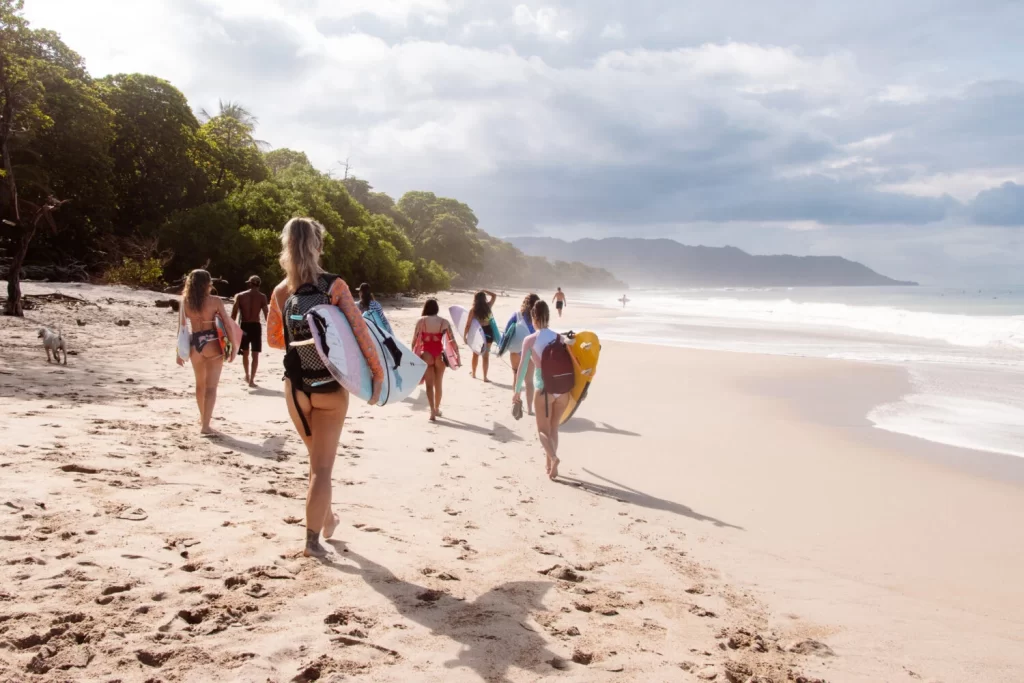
(119, 178)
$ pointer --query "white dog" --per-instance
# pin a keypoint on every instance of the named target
(53, 343)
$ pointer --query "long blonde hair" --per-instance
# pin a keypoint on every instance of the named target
(197, 286)
(302, 241)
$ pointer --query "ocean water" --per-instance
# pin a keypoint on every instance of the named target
(964, 349)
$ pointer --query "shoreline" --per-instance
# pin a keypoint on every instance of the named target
(703, 493)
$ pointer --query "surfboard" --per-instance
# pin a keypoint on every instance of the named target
(514, 336)
(586, 349)
(450, 352)
(337, 346)
(476, 340)
(229, 336)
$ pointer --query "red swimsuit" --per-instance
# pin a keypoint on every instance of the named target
(432, 343)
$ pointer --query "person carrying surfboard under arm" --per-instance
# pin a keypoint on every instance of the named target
(554, 377)
(481, 312)
(201, 309)
(428, 340)
(368, 304)
(317, 403)
(520, 326)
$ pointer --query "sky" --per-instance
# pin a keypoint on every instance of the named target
(891, 132)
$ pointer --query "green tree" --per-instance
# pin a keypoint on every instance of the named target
(230, 138)
(279, 159)
(27, 58)
(160, 163)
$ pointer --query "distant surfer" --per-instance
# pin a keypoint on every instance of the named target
(249, 306)
(481, 312)
(559, 300)
(207, 358)
(523, 318)
(624, 300)
(367, 304)
(428, 341)
(317, 403)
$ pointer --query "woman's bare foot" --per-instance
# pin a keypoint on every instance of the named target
(331, 522)
(553, 469)
(433, 417)
(207, 431)
(487, 380)
(313, 547)
(439, 413)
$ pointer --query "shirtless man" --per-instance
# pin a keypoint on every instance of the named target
(559, 301)
(249, 305)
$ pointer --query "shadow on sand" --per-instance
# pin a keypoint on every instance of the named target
(625, 494)
(578, 425)
(493, 629)
(267, 450)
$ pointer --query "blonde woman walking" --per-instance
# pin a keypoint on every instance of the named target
(317, 404)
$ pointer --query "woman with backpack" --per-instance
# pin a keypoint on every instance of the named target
(316, 402)
(554, 377)
(481, 312)
(367, 304)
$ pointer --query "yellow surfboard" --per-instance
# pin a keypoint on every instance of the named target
(586, 348)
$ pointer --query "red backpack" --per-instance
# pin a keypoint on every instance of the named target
(556, 368)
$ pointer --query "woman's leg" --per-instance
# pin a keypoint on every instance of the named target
(213, 369)
(328, 418)
(487, 362)
(199, 369)
(325, 414)
(429, 379)
(439, 369)
(548, 416)
(514, 359)
(529, 387)
(557, 409)
(476, 359)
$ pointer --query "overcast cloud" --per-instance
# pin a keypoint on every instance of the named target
(888, 132)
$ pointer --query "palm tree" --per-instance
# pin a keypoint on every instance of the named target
(236, 111)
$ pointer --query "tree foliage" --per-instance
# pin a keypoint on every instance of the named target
(149, 190)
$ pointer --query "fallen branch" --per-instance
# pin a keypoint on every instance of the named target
(346, 640)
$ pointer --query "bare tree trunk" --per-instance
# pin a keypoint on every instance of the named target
(14, 304)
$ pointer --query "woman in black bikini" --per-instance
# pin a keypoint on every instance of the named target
(207, 357)
(481, 312)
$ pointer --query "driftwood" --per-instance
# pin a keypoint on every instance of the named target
(74, 272)
(33, 301)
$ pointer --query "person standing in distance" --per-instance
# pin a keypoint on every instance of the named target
(248, 307)
(559, 300)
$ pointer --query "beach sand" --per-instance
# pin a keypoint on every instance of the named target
(721, 517)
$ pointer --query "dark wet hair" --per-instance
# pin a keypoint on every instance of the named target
(481, 309)
(430, 307)
(528, 302)
(365, 295)
(541, 314)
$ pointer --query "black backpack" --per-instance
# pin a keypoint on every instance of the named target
(302, 364)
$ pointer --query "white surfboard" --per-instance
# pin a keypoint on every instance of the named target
(338, 348)
(476, 340)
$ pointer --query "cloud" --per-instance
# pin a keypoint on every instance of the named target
(745, 120)
(1003, 205)
(613, 31)
(546, 22)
